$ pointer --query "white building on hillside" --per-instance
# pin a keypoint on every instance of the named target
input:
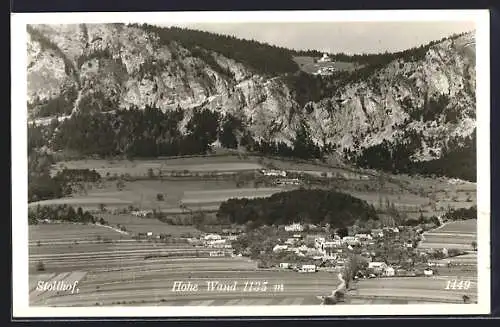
(325, 58)
(212, 237)
(350, 240)
(273, 172)
(295, 227)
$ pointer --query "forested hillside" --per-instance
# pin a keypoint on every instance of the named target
(142, 90)
(307, 206)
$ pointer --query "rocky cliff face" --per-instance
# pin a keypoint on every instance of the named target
(434, 96)
(106, 67)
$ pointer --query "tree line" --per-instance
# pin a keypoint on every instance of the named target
(458, 159)
(462, 213)
(262, 57)
(307, 206)
(43, 186)
(62, 212)
(374, 58)
(153, 133)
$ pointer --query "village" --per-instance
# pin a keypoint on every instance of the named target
(306, 248)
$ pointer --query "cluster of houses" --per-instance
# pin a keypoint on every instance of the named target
(334, 249)
(219, 241)
(318, 247)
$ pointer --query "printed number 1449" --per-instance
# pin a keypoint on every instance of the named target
(457, 285)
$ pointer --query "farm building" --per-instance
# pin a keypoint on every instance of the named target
(288, 181)
(377, 266)
(308, 268)
(217, 253)
(389, 271)
(279, 248)
(350, 240)
(295, 227)
(212, 237)
(216, 243)
(332, 244)
(273, 172)
(325, 58)
(377, 233)
(142, 213)
(284, 265)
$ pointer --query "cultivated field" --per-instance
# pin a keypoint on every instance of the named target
(51, 233)
(136, 224)
(414, 190)
(410, 195)
(218, 196)
(121, 271)
(141, 194)
(452, 235)
(142, 167)
(426, 289)
(469, 260)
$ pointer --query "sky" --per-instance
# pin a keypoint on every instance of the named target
(335, 37)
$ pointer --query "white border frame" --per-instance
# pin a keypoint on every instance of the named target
(21, 308)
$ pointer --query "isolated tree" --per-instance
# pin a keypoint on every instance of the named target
(351, 268)
(40, 266)
(199, 219)
(474, 245)
(120, 185)
(102, 207)
(159, 197)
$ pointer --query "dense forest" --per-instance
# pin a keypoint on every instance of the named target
(307, 206)
(457, 160)
(152, 133)
(462, 213)
(262, 57)
(62, 212)
(137, 133)
(375, 58)
(43, 186)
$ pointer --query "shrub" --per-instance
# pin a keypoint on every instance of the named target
(40, 266)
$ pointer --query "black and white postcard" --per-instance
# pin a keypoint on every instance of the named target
(186, 164)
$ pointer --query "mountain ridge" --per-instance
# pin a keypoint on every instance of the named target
(426, 93)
